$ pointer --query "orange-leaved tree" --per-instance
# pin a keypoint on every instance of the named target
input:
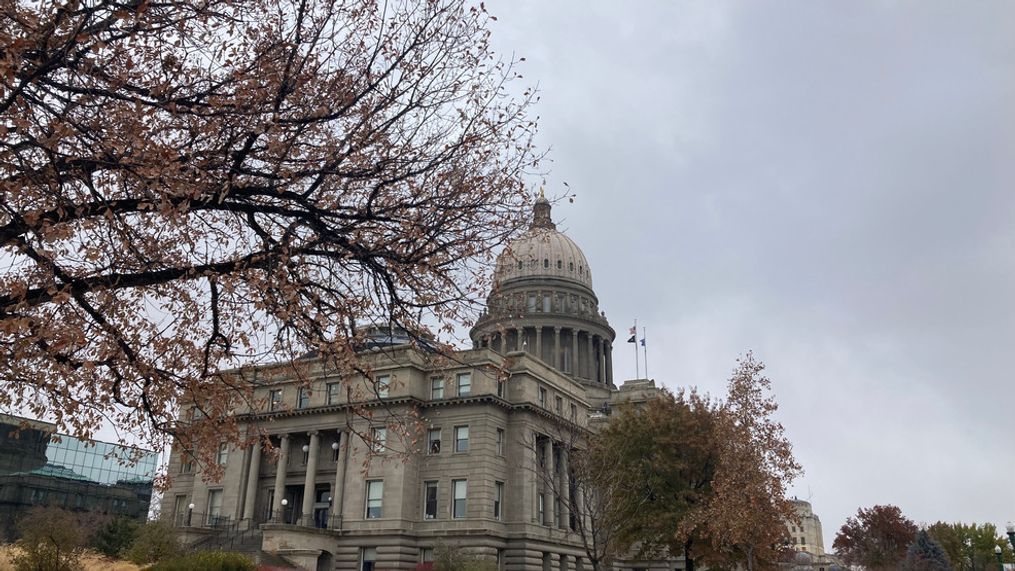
(705, 479)
(747, 515)
(876, 538)
(191, 187)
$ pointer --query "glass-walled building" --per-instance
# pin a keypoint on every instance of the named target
(39, 467)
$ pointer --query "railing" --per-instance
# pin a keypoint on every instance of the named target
(191, 518)
(321, 519)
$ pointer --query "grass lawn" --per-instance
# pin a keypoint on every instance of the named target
(92, 562)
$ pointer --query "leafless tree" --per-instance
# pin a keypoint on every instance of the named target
(581, 487)
(188, 187)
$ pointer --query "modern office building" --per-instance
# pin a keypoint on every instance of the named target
(39, 467)
(475, 475)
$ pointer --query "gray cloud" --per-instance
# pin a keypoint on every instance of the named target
(828, 184)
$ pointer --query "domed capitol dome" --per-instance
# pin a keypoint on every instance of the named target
(543, 251)
(543, 304)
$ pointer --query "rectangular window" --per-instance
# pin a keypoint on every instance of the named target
(186, 463)
(303, 397)
(368, 558)
(546, 303)
(433, 441)
(498, 499)
(540, 511)
(459, 492)
(426, 555)
(383, 386)
(379, 439)
(532, 303)
(437, 388)
(464, 384)
(179, 507)
(274, 399)
(461, 439)
(558, 405)
(223, 454)
(334, 391)
(574, 411)
(214, 507)
(542, 397)
(500, 442)
(430, 500)
(375, 495)
(500, 388)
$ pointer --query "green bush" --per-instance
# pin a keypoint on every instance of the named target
(206, 561)
(116, 536)
(51, 540)
(154, 542)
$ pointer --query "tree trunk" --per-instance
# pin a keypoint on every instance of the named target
(689, 561)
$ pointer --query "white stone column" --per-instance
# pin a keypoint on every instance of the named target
(253, 474)
(310, 481)
(609, 363)
(338, 491)
(557, 361)
(601, 361)
(564, 485)
(280, 471)
(535, 477)
(539, 342)
(519, 342)
(579, 507)
(574, 353)
(590, 362)
(548, 482)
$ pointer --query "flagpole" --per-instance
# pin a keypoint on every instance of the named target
(644, 345)
(637, 367)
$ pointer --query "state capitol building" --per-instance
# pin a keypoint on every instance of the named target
(474, 480)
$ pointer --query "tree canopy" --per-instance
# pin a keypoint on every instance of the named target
(666, 451)
(877, 538)
(925, 554)
(706, 479)
(190, 187)
(970, 546)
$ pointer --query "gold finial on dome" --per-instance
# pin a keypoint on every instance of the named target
(541, 213)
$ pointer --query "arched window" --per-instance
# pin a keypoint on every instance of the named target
(570, 266)
(520, 264)
(546, 263)
(560, 264)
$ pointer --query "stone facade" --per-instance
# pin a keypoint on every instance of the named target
(806, 536)
(541, 357)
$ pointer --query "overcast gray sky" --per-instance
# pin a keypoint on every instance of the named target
(830, 184)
